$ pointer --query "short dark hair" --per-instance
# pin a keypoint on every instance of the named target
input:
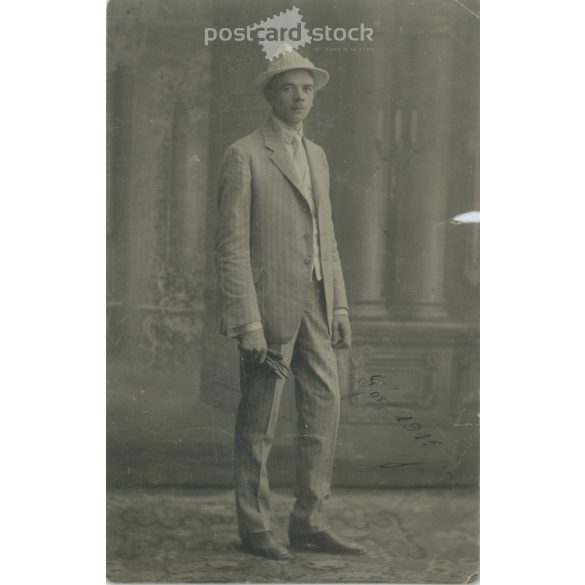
(269, 87)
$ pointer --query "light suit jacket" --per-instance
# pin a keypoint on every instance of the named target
(264, 243)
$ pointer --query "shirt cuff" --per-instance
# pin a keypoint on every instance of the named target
(247, 328)
(341, 311)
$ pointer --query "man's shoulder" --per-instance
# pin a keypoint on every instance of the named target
(315, 147)
(247, 144)
(312, 142)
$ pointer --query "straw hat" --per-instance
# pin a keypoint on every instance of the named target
(288, 61)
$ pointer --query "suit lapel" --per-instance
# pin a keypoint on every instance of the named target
(316, 168)
(281, 158)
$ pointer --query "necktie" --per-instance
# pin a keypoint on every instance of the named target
(298, 158)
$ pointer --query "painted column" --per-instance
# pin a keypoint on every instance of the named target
(422, 206)
(367, 177)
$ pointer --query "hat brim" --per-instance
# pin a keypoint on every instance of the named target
(320, 77)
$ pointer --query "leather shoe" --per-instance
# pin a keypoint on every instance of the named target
(263, 544)
(326, 542)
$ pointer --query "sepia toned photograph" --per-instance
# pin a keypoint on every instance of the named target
(293, 271)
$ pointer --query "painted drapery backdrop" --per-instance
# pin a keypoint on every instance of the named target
(399, 122)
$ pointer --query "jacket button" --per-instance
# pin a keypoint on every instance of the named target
(307, 236)
(307, 261)
(303, 210)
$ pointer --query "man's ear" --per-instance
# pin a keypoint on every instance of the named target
(269, 89)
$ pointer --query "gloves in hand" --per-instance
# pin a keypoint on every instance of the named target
(275, 362)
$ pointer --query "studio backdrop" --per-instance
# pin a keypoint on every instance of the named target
(399, 121)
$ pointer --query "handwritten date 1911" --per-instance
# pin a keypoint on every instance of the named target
(413, 426)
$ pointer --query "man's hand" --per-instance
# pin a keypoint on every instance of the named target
(253, 344)
(341, 332)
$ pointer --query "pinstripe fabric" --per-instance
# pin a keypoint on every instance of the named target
(293, 140)
(264, 259)
(263, 254)
(314, 365)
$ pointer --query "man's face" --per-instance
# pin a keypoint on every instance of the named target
(291, 97)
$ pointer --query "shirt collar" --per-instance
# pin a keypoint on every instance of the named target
(288, 134)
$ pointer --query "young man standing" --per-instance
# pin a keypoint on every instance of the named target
(281, 289)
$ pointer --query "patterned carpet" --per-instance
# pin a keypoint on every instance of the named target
(413, 536)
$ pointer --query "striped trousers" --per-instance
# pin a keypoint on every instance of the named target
(314, 365)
